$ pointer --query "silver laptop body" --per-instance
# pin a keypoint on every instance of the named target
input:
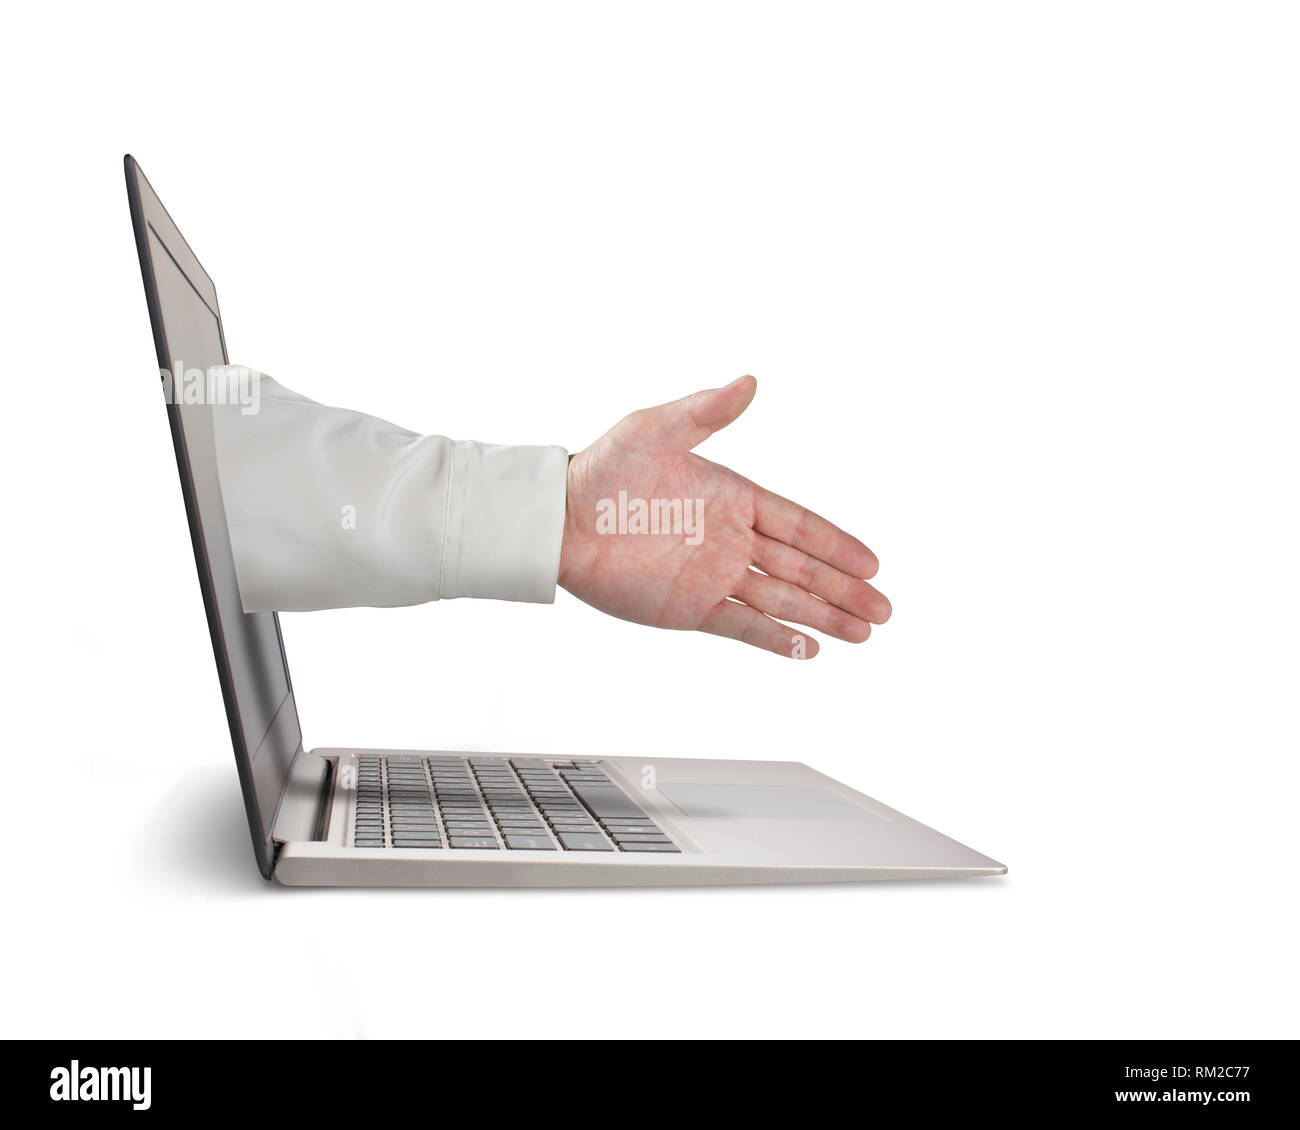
(442, 819)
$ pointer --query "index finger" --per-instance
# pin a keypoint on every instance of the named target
(798, 526)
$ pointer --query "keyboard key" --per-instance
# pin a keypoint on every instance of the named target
(530, 843)
(607, 801)
(658, 838)
(473, 842)
(649, 847)
(579, 842)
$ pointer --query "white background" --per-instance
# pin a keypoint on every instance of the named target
(1019, 283)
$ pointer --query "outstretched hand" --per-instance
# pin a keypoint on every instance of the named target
(655, 534)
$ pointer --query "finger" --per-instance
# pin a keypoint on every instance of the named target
(862, 600)
(738, 622)
(789, 602)
(798, 526)
(686, 423)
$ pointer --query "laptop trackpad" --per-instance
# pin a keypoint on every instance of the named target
(762, 802)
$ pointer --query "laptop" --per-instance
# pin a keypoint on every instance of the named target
(387, 817)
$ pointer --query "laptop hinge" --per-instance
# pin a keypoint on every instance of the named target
(305, 797)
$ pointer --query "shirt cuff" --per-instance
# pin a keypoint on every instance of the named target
(504, 522)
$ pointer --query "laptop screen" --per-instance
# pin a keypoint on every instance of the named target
(250, 656)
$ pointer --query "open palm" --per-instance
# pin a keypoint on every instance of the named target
(716, 553)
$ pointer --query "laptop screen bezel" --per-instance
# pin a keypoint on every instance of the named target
(262, 771)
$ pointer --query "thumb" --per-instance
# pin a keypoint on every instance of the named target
(688, 422)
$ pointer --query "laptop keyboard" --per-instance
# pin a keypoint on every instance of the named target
(497, 804)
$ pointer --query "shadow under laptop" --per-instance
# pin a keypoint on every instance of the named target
(200, 838)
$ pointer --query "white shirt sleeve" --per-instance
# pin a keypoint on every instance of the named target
(330, 508)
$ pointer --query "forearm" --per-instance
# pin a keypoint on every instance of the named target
(329, 508)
